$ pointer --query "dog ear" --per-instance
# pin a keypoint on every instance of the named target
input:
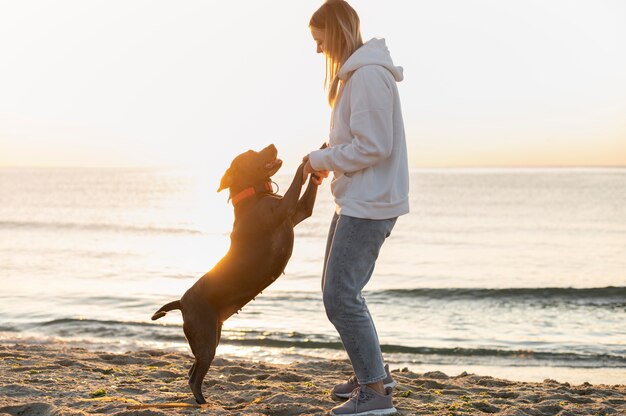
(227, 180)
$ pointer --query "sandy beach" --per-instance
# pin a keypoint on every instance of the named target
(57, 379)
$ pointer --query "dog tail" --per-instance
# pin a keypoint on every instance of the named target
(165, 309)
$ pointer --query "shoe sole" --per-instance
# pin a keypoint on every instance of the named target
(378, 412)
(393, 385)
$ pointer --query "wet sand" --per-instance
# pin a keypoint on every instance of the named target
(57, 379)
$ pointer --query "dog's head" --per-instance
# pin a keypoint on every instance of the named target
(251, 168)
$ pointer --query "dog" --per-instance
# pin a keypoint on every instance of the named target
(261, 244)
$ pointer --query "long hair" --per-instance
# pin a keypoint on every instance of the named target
(342, 31)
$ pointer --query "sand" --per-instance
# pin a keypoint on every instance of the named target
(57, 379)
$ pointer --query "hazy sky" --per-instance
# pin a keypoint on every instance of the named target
(143, 83)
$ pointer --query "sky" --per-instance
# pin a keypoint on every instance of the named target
(194, 83)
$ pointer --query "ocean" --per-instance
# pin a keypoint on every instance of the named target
(515, 273)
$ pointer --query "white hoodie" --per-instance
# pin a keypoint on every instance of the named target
(367, 147)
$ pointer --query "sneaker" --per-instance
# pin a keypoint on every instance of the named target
(344, 390)
(366, 401)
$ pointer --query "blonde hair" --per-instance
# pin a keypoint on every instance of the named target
(342, 36)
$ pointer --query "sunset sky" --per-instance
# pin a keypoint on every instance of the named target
(193, 83)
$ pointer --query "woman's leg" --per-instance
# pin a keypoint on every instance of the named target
(350, 263)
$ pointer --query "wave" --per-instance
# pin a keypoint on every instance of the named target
(172, 333)
(8, 328)
(599, 293)
(610, 294)
(80, 321)
(603, 360)
(65, 226)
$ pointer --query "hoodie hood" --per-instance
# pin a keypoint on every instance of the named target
(373, 52)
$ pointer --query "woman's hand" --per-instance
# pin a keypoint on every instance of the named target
(317, 176)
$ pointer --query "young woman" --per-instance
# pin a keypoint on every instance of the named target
(367, 155)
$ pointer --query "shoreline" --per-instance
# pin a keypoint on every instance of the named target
(58, 379)
(505, 369)
(420, 364)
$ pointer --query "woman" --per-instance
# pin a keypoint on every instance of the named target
(367, 155)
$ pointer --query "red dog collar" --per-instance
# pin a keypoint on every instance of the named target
(248, 192)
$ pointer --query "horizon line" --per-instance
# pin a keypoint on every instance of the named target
(288, 166)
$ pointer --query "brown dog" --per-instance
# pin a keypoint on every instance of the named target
(261, 244)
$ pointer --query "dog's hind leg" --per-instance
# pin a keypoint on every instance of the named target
(203, 331)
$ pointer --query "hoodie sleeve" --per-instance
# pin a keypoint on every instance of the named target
(371, 124)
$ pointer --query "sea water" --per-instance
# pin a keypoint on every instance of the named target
(517, 273)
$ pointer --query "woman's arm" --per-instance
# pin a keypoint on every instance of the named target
(371, 124)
